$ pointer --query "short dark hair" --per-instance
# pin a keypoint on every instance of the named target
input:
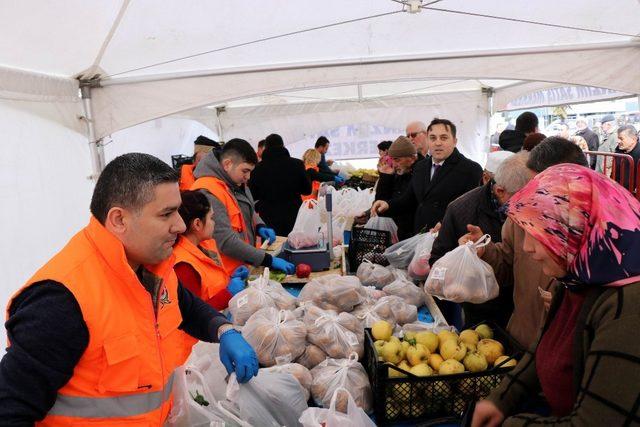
(273, 140)
(629, 130)
(527, 122)
(532, 140)
(261, 143)
(194, 205)
(384, 145)
(321, 141)
(555, 150)
(240, 151)
(129, 181)
(447, 124)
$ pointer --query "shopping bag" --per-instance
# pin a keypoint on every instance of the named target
(383, 224)
(461, 276)
(306, 230)
(400, 254)
(271, 399)
(419, 266)
(321, 417)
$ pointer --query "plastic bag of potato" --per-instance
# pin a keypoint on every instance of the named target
(391, 308)
(277, 336)
(312, 356)
(410, 293)
(333, 292)
(260, 293)
(338, 335)
(349, 374)
(371, 274)
(400, 254)
(461, 276)
(299, 372)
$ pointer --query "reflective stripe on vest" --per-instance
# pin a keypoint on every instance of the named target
(112, 407)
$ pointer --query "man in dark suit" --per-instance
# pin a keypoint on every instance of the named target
(590, 136)
(437, 181)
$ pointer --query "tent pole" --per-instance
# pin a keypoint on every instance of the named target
(95, 148)
(488, 91)
(219, 111)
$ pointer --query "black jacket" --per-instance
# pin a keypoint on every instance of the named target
(623, 178)
(393, 185)
(511, 140)
(277, 183)
(476, 207)
(429, 198)
(592, 142)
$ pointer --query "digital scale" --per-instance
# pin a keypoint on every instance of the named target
(317, 257)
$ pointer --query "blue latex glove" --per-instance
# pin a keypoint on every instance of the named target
(282, 265)
(339, 180)
(267, 234)
(236, 284)
(241, 272)
(237, 356)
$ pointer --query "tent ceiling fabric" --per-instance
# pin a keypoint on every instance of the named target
(305, 45)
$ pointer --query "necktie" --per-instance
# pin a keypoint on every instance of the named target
(436, 167)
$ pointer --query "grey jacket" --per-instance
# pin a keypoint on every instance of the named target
(608, 144)
(230, 242)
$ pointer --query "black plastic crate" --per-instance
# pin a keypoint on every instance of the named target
(369, 244)
(418, 399)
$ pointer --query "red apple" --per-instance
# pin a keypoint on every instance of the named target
(303, 270)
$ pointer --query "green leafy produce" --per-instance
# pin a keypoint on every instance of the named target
(278, 276)
(199, 399)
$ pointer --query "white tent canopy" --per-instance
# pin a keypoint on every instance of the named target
(139, 60)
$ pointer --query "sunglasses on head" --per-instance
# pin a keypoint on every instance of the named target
(414, 134)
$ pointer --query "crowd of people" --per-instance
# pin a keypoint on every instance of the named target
(97, 333)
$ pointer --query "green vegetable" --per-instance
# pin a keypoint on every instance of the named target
(199, 399)
(278, 276)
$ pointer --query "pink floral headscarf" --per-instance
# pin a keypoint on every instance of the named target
(587, 222)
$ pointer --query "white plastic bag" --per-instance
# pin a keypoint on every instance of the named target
(338, 335)
(371, 274)
(306, 230)
(299, 372)
(312, 356)
(400, 254)
(320, 417)
(410, 293)
(332, 374)
(333, 292)
(461, 276)
(419, 266)
(391, 308)
(205, 359)
(259, 293)
(186, 412)
(383, 224)
(271, 399)
(277, 336)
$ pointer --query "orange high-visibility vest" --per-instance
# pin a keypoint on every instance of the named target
(213, 276)
(126, 373)
(315, 186)
(186, 177)
(221, 191)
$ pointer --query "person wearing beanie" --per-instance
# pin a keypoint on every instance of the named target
(608, 144)
(485, 206)
(201, 146)
(395, 179)
(512, 140)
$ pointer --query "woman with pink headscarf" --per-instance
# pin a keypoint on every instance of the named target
(585, 231)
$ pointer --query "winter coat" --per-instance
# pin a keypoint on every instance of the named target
(510, 262)
(608, 144)
(605, 369)
(428, 197)
(230, 242)
(592, 142)
(623, 178)
(511, 140)
(276, 184)
(393, 185)
(476, 207)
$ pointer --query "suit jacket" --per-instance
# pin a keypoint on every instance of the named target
(429, 198)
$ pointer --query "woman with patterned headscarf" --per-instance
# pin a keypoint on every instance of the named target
(584, 229)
